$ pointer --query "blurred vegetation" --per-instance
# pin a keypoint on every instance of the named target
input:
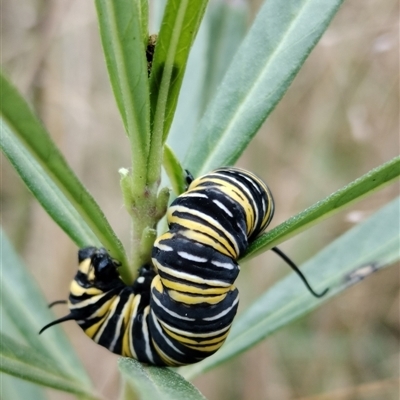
(338, 120)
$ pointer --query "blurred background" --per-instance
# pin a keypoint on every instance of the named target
(338, 120)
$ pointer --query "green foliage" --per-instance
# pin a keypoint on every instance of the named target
(174, 170)
(46, 190)
(122, 26)
(179, 27)
(256, 80)
(150, 381)
(26, 363)
(14, 388)
(354, 191)
(44, 170)
(276, 46)
(48, 360)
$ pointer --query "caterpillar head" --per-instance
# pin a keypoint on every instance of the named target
(96, 268)
(97, 272)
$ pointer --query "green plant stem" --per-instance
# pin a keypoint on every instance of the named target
(180, 24)
(146, 209)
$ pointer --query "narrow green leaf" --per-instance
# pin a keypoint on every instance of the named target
(227, 25)
(363, 250)
(356, 190)
(28, 364)
(24, 125)
(221, 31)
(174, 170)
(188, 109)
(122, 25)
(45, 190)
(279, 41)
(144, 20)
(179, 27)
(159, 383)
(23, 306)
(18, 352)
(16, 389)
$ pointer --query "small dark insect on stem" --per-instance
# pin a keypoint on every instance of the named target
(150, 51)
(298, 272)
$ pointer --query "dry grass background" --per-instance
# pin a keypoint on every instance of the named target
(339, 119)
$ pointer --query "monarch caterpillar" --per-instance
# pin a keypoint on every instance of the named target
(180, 309)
